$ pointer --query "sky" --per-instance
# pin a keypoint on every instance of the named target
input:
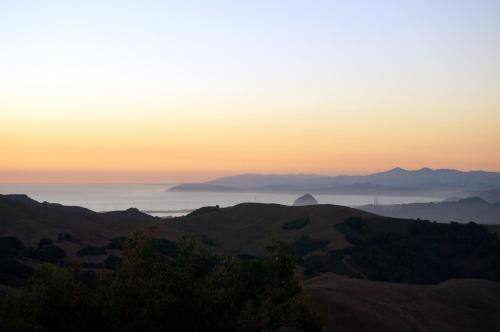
(167, 91)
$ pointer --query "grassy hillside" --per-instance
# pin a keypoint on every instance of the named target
(249, 227)
(31, 221)
(325, 239)
(347, 304)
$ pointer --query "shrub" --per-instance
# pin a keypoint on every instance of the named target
(306, 244)
(45, 242)
(117, 243)
(421, 251)
(53, 300)
(10, 246)
(91, 265)
(315, 265)
(91, 251)
(296, 223)
(352, 229)
(166, 247)
(68, 237)
(112, 262)
(51, 254)
(196, 291)
(207, 241)
(13, 273)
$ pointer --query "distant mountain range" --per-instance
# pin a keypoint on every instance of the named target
(397, 181)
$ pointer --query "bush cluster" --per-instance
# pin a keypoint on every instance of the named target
(297, 223)
(149, 291)
(421, 251)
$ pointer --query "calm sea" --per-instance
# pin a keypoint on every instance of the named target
(156, 200)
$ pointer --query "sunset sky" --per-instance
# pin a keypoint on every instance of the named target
(166, 91)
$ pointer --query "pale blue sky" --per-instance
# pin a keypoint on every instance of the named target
(346, 78)
(241, 45)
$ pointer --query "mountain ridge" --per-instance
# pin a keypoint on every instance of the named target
(396, 181)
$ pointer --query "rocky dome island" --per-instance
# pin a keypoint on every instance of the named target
(306, 199)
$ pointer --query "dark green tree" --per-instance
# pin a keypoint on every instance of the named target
(193, 290)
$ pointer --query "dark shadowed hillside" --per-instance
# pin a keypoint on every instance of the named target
(248, 227)
(343, 254)
(328, 238)
(363, 306)
(320, 234)
(31, 221)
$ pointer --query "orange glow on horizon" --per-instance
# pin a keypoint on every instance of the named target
(170, 92)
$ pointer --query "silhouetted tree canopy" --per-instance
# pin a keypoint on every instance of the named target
(196, 290)
(418, 251)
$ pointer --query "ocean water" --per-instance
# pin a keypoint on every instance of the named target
(156, 200)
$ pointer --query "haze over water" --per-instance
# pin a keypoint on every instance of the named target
(156, 200)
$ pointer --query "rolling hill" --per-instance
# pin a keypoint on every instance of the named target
(347, 304)
(30, 221)
(326, 238)
(397, 274)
